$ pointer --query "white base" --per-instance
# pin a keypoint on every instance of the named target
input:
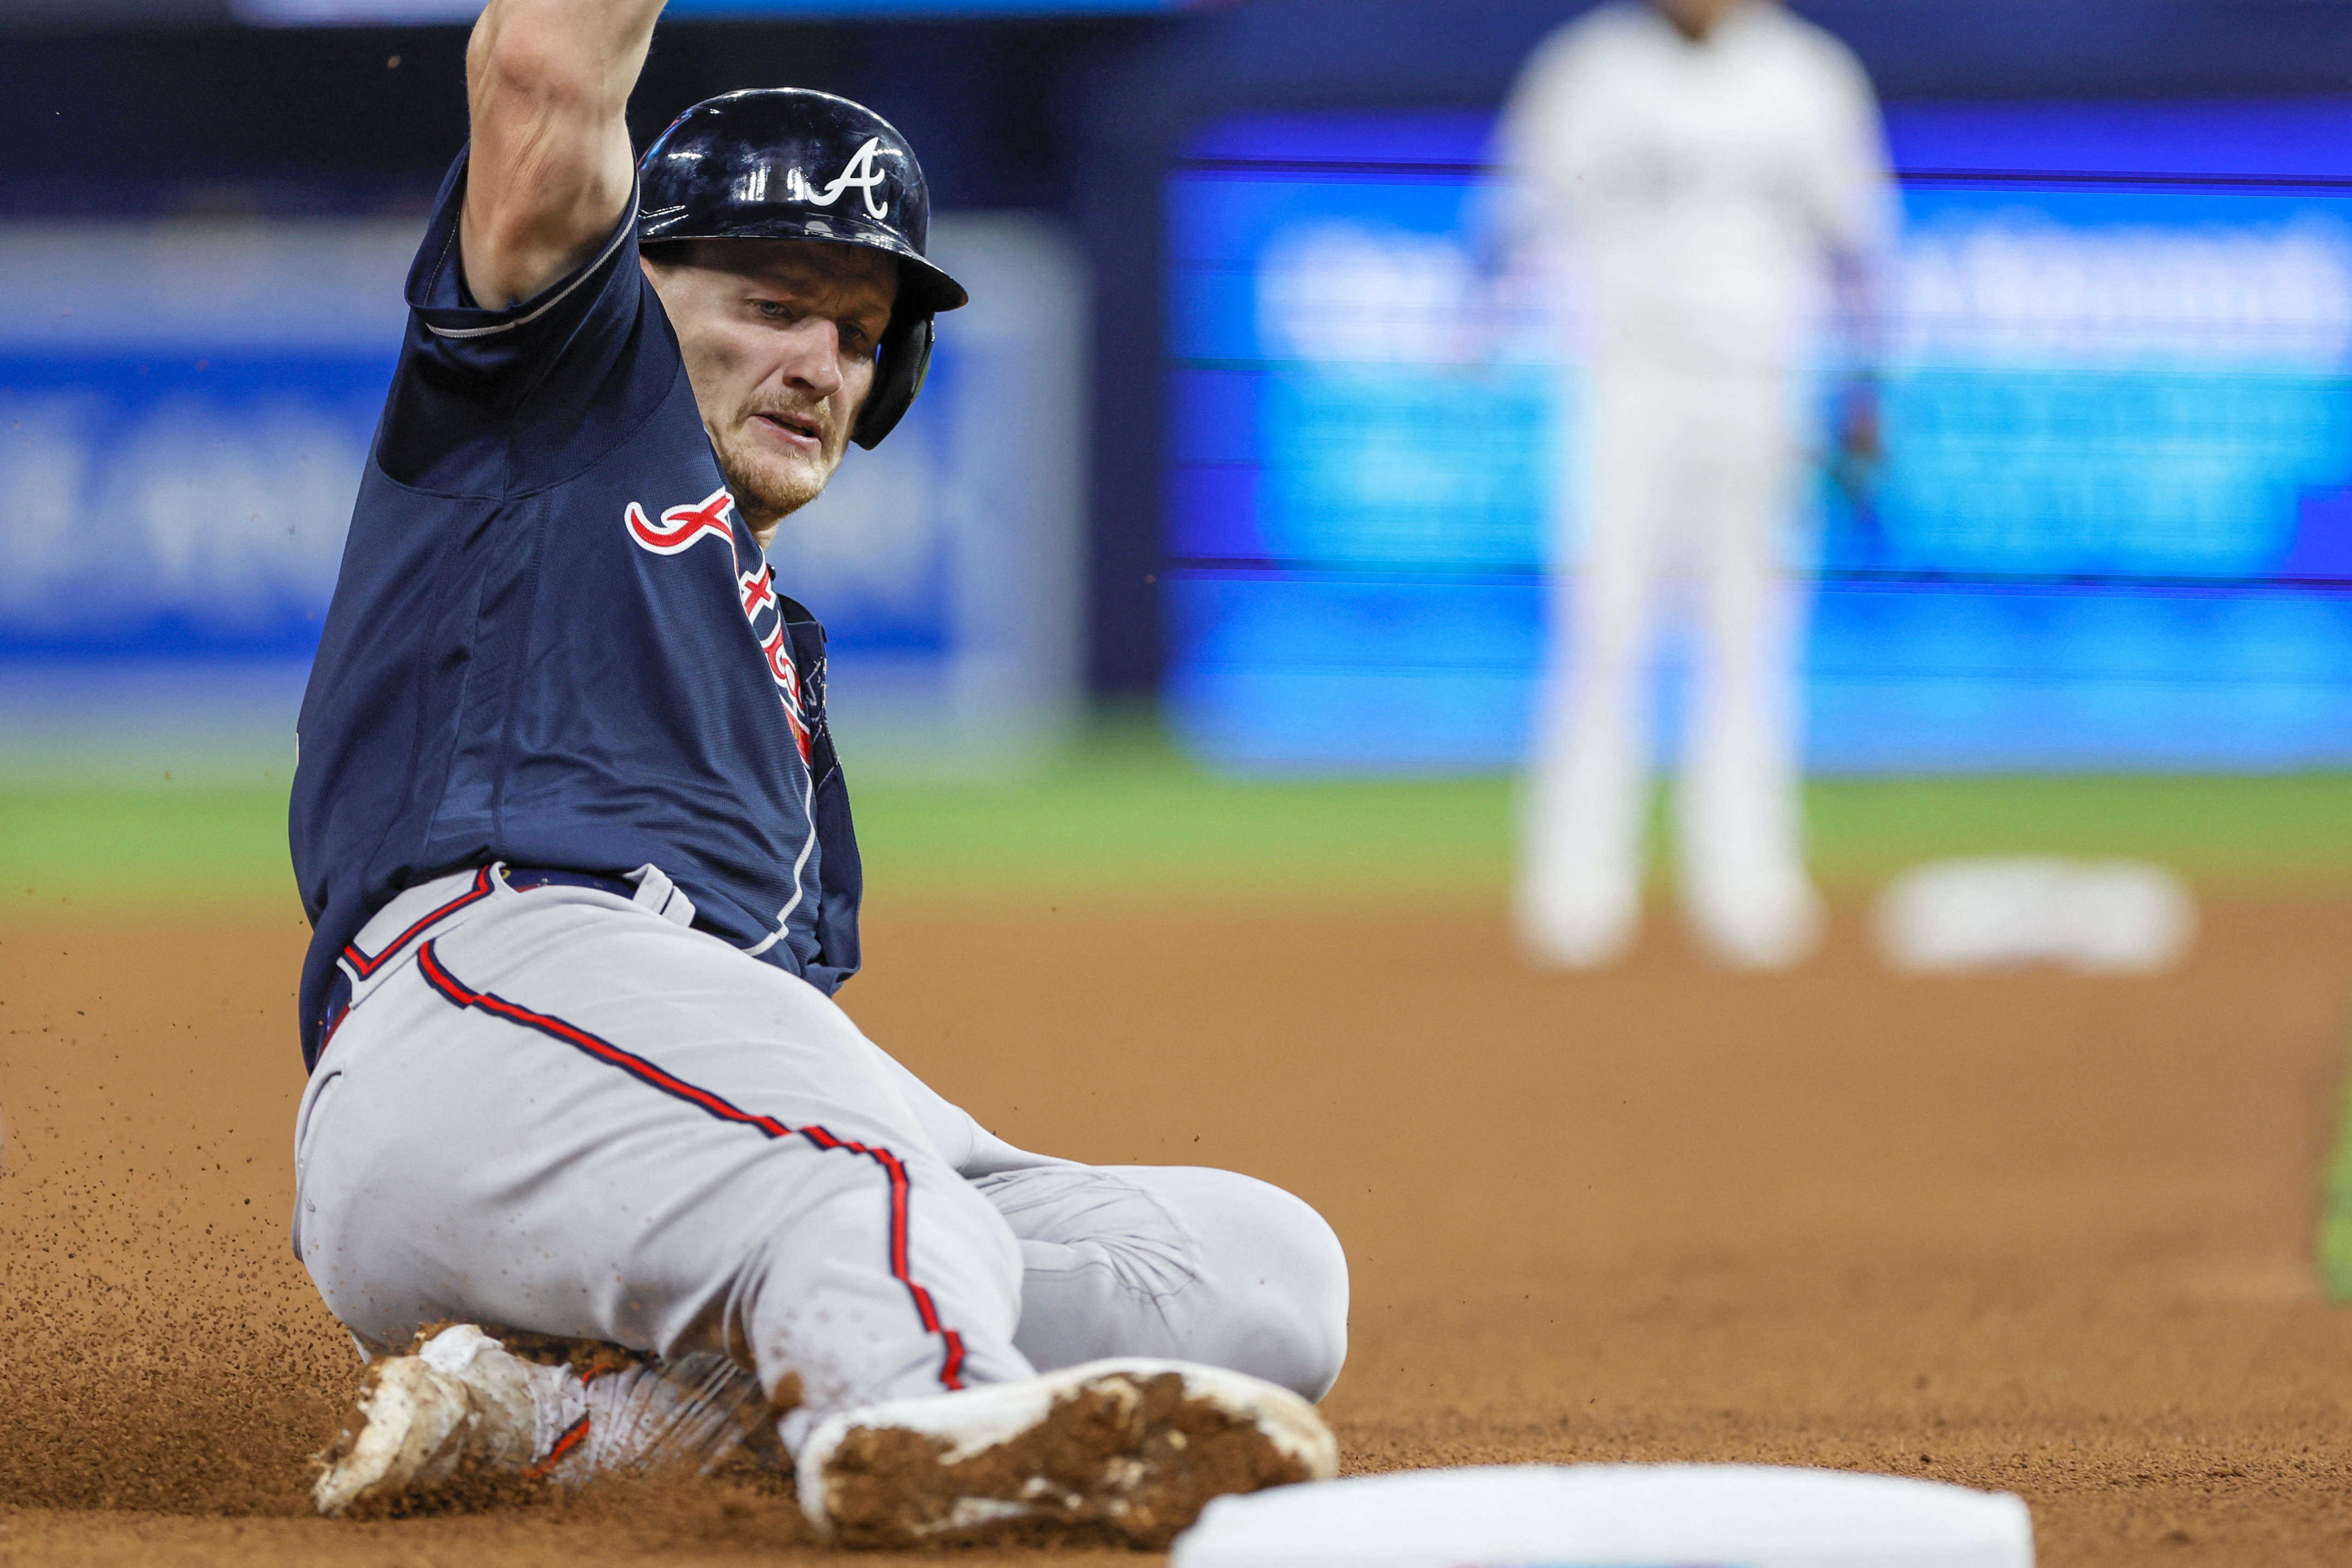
(2100, 917)
(1614, 1516)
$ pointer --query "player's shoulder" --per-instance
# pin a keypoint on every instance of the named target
(1803, 44)
(1592, 48)
(517, 398)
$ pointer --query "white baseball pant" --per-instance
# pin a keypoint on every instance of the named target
(1691, 475)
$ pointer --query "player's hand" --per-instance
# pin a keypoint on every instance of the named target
(1860, 441)
(1856, 462)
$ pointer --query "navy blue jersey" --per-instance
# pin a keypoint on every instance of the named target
(554, 642)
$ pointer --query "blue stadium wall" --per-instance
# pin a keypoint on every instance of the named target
(1086, 119)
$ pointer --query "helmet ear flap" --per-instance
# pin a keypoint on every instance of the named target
(898, 370)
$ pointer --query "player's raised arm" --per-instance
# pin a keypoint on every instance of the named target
(547, 83)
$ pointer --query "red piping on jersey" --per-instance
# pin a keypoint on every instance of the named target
(367, 966)
(901, 1185)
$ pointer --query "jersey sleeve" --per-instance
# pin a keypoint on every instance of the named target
(1849, 190)
(1540, 141)
(496, 402)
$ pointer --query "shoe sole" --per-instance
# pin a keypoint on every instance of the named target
(1123, 1453)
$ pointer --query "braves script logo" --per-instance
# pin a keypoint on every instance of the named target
(859, 171)
(758, 591)
(680, 528)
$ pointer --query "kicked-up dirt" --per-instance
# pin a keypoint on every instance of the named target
(2031, 1232)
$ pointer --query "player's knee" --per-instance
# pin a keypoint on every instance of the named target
(819, 1289)
(1281, 1280)
(1315, 1303)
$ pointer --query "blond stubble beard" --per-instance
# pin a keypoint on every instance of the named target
(767, 492)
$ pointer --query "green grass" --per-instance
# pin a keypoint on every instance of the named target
(66, 849)
(1129, 816)
(2219, 828)
(1122, 815)
(2336, 1206)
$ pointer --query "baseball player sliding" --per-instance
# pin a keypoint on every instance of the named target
(590, 1163)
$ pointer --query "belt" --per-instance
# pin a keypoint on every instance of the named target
(522, 878)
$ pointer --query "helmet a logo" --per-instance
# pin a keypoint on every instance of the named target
(860, 174)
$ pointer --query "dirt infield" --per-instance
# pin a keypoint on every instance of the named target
(2036, 1233)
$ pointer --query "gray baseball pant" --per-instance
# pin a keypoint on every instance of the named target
(556, 1111)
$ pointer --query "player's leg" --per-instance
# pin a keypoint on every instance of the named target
(1578, 892)
(1193, 1313)
(1156, 1260)
(1178, 1261)
(1739, 808)
(568, 1116)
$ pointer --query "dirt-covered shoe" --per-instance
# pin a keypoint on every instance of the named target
(1126, 1452)
(464, 1406)
(421, 1418)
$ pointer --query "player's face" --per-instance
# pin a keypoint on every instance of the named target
(779, 338)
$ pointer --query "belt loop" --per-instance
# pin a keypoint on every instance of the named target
(657, 892)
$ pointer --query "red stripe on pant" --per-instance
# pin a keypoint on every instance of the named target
(437, 975)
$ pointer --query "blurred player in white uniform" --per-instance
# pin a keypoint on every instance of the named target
(1709, 178)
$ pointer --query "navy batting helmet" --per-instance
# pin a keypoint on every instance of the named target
(788, 164)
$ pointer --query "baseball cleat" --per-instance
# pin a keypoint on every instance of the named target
(1126, 1452)
(466, 1406)
(1762, 923)
(422, 1417)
